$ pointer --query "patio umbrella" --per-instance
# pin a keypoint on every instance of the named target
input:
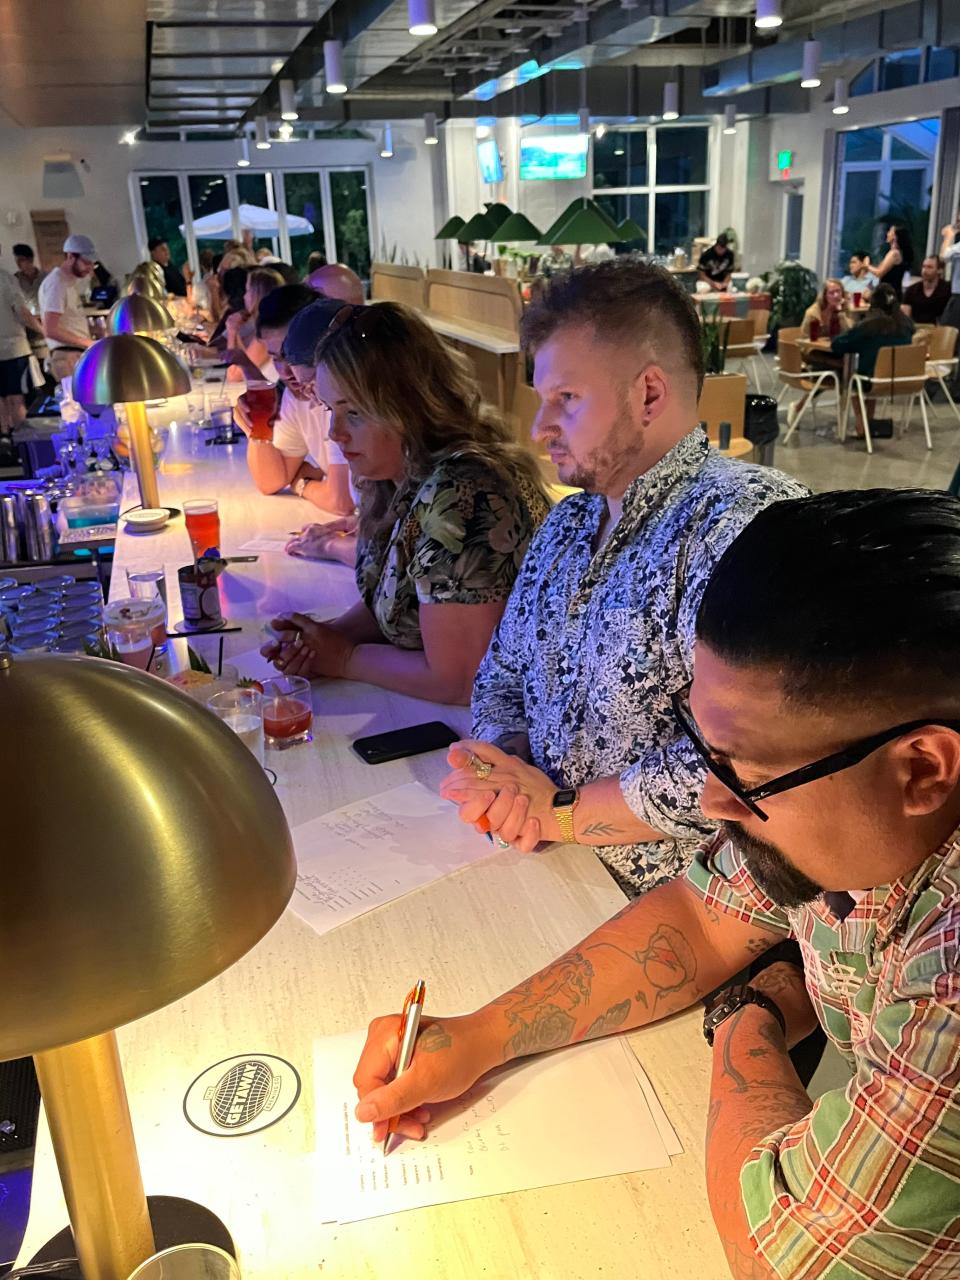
(262, 222)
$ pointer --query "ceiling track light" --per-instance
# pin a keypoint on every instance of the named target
(421, 17)
(671, 100)
(333, 66)
(810, 76)
(243, 160)
(288, 101)
(768, 15)
(261, 133)
(730, 118)
(840, 104)
(430, 129)
(386, 145)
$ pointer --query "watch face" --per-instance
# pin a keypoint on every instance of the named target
(563, 799)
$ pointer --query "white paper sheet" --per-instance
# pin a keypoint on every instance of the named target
(668, 1134)
(267, 542)
(370, 852)
(563, 1117)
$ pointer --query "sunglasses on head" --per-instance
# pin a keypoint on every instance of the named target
(822, 768)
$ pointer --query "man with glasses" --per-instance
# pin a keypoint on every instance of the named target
(825, 706)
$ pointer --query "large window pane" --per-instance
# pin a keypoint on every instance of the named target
(681, 157)
(863, 144)
(941, 64)
(859, 233)
(163, 214)
(257, 189)
(907, 191)
(627, 206)
(302, 192)
(864, 81)
(679, 216)
(620, 158)
(209, 200)
(900, 69)
(351, 225)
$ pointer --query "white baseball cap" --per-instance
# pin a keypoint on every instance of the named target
(82, 245)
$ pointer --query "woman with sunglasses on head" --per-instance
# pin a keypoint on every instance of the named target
(448, 504)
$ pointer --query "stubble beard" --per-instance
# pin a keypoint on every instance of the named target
(622, 451)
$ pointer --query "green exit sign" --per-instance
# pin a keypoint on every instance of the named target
(784, 160)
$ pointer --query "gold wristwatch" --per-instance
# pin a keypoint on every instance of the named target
(564, 803)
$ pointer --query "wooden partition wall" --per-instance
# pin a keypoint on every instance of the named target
(390, 282)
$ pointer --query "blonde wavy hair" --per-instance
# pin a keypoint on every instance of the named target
(260, 282)
(392, 366)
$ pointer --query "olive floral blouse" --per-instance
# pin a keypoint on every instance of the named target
(457, 537)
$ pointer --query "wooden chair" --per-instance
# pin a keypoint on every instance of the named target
(794, 377)
(942, 359)
(900, 373)
(723, 399)
(740, 346)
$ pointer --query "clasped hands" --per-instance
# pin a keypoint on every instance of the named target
(304, 647)
(513, 800)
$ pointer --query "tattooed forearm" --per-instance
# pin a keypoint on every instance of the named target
(606, 829)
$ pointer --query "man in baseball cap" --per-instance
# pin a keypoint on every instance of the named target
(64, 323)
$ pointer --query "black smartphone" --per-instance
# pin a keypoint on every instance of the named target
(381, 747)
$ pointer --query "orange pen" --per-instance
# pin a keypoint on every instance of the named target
(409, 1026)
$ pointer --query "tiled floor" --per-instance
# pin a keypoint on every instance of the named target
(823, 463)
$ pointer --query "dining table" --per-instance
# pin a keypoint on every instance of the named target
(470, 935)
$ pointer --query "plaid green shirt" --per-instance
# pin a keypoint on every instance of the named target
(867, 1184)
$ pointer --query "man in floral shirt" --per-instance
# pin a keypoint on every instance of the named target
(598, 631)
(825, 706)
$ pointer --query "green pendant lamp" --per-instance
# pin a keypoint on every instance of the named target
(498, 213)
(451, 228)
(479, 227)
(585, 226)
(630, 230)
(517, 228)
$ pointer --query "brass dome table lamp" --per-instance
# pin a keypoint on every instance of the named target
(126, 368)
(145, 282)
(149, 857)
(139, 313)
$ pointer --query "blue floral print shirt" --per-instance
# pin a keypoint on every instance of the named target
(591, 646)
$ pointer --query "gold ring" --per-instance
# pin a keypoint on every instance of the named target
(481, 768)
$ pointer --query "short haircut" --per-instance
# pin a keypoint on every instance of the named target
(722, 239)
(862, 254)
(155, 242)
(279, 307)
(625, 301)
(849, 595)
(22, 251)
(935, 257)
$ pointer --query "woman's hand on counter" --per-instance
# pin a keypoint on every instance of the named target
(308, 648)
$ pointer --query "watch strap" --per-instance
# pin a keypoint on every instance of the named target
(564, 818)
(731, 1001)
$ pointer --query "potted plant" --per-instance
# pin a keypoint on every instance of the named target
(792, 289)
(714, 335)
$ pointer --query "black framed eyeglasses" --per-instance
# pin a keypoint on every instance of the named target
(833, 763)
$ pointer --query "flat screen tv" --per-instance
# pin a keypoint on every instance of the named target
(553, 157)
(491, 166)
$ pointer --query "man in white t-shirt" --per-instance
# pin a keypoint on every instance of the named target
(15, 321)
(300, 456)
(59, 297)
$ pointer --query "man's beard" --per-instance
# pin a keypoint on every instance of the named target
(775, 875)
(622, 448)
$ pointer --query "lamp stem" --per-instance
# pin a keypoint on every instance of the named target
(86, 1107)
(142, 454)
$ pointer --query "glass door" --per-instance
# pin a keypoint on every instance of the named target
(351, 219)
(305, 226)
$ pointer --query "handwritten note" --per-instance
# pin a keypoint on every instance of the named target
(563, 1117)
(370, 852)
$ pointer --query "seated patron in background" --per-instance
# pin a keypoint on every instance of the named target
(173, 278)
(884, 325)
(825, 317)
(15, 324)
(834, 771)
(334, 280)
(448, 504)
(61, 310)
(599, 629)
(859, 278)
(241, 326)
(27, 275)
(925, 301)
(554, 262)
(299, 455)
(716, 264)
(314, 261)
